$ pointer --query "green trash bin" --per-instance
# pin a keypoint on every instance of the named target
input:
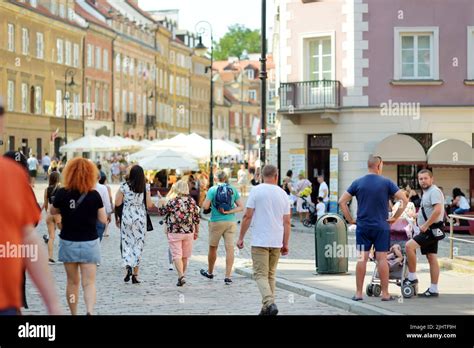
(331, 245)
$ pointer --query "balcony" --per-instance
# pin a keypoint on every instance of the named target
(150, 121)
(131, 118)
(309, 96)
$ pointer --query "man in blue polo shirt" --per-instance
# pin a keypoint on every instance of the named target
(373, 192)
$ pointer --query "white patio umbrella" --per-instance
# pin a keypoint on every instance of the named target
(118, 145)
(88, 143)
(222, 148)
(168, 159)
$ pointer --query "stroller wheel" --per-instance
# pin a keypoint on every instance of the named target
(408, 291)
(369, 290)
(377, 290)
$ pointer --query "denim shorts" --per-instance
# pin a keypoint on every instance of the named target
(81, 252)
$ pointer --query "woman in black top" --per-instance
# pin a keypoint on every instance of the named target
(51, 220)
(80, 207)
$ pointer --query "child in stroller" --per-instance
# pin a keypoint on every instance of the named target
(398, 268)
(313, 217)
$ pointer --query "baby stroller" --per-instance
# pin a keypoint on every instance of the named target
(397, 272)
(313, 218)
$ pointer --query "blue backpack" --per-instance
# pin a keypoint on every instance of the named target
(223, 197)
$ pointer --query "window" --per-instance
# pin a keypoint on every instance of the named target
(54, 7)
(271, 94)
(59, 103)
(408, 175)
(178, 85)
(125, 64)
(11, 95)
(132, 108)
(11, 37)
(171, 84)
(76, 105)
(172, 57)
(39, 45)
(132, 66)
(271, 117)
(59, 51)
(237, 119)
(90, 49)
(252, 94)
(117, 62)
(139, 68)
(144, 99)
(416, 53)
(62, 11)
(470, 53)
(98, 55)
(25, 41)
(139, 103)
(97, 97)
(161, 78)
(250, 74)
(124, 101)
(105, 63)
(88, 95)
(24, 97)
(38, 100)
(70, 14)
(68, 52)
(75, 59)
(105, 100)
(319, 59)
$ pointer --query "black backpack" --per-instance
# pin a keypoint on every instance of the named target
(223, 197)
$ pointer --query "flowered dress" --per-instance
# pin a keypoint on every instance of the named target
(133, 226)
(181, 215)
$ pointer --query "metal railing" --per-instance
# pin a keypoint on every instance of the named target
(451, 232)
(309, 95)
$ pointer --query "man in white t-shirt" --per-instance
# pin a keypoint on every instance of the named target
(268, 210)
(323, 191)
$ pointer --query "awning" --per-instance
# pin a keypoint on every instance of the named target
(400, 148)
(451, 152)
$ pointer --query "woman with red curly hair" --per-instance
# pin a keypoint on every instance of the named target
(80, 207)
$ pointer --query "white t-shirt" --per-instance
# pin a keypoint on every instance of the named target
(46, 161)
(320, 209)
(104, 194)
(324, 187)
(32, 163)
(271, 204)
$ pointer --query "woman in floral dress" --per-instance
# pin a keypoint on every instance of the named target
(133, 222)
(182, 220)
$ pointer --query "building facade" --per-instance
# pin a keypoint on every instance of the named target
(409, 98)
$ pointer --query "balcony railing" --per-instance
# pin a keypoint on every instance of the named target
(131, 118)
(150, 121)
(309, 95)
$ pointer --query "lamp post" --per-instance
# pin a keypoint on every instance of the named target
(201, 50)
(263, 77)
(69, 73)
(149, 117)
(243, 56)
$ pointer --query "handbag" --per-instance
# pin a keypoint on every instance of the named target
(436, 228)
(149, 225)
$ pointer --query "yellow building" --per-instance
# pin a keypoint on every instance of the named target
(39, 43)
(200, 94)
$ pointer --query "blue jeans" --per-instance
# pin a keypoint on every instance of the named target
(460, 211)
(100, 229)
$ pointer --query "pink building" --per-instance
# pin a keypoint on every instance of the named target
(394, 78)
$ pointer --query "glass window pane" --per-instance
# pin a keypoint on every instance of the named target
(407, 42)
(424, 56)
(408, 70)
(326, 46)
(326, 63)
(327, 75)
(424, 41)
(423, 70)
(408, 56)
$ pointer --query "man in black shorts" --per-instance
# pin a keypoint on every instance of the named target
(433, 204)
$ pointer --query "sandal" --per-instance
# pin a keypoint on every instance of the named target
(354, 298)
(391, 298)
(181, 281)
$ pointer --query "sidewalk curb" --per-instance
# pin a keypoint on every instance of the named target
(323, 296)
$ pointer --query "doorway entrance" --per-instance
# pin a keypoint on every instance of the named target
(319, 146)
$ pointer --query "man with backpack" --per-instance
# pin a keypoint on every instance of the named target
(224, 201)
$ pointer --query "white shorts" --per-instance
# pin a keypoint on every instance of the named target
(299, 206)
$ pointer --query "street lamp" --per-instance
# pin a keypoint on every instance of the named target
(69, 73)
(263, 87)
(202, 50)
(149, 120)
